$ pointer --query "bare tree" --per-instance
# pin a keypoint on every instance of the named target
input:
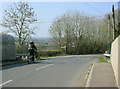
(88, 33)
(18, 19)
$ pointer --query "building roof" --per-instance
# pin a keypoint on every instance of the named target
(6, 39)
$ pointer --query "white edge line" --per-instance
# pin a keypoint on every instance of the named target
(89, 77)
(43, 67)
(5, 82)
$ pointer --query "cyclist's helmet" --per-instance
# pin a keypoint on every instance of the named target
(31, 42)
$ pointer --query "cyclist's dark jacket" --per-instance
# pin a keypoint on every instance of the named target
(32, 48)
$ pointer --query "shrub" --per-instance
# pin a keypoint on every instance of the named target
(48, 52)
(21, 49)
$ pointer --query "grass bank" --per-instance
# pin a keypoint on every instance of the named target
(102, 59)
(40, 57)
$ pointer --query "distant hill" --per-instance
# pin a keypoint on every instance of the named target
(41, 38)
(36, 39)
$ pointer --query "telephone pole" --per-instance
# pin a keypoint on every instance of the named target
(118, 18)
(67, 39)
(109, 29)
(113, 19)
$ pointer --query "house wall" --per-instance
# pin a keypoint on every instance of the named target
(115, 59)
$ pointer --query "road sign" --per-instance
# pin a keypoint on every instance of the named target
(73, 44)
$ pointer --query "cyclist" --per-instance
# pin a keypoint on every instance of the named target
(32, 50)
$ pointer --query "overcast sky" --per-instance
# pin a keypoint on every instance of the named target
(48, 11)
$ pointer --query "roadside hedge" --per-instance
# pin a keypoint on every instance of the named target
(48, 52)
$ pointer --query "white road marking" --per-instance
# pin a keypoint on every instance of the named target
(43, 67)
(5, 82)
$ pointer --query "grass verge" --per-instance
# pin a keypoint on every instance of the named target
(39, 58)
(102, 59)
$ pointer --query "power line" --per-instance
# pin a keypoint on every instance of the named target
(70, 18)
(96, 8)
(92, 7)
(116, 4)
(83, 16)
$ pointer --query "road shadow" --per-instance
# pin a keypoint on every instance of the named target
(43, 62)
(26, 64)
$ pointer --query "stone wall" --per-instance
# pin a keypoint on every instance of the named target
(115, 59)
(7, 47)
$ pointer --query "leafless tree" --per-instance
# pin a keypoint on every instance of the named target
(19, 19)
(88, 33)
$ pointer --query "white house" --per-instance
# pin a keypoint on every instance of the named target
(7, 47)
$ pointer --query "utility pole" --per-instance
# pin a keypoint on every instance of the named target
(113, 19)
(109, 29)
(67, 39)
(118, 18)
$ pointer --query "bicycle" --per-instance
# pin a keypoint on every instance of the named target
(32, 58)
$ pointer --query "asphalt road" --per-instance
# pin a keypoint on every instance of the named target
(69, 71)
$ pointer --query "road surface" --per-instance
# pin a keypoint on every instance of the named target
(69, 71)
